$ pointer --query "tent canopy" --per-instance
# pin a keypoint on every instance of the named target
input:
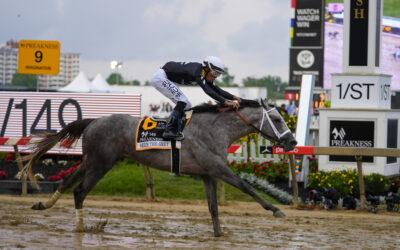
(79, 84)
(100, 84)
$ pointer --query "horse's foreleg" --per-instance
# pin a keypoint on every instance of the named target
(80, 193)
(210, 185)
(229, 177)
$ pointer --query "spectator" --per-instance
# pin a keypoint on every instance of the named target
(291, 108)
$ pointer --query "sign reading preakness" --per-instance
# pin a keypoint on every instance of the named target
(39, 57)
(351, 134)
(25, 113)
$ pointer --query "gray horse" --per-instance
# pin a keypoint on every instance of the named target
(204, 150)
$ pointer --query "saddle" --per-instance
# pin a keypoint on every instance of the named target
(149, 137)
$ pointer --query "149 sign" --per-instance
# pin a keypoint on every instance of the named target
(45, 113)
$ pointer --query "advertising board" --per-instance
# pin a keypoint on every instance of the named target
(26, 113)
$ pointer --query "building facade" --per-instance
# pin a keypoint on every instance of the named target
(8, 62)
(69, 68)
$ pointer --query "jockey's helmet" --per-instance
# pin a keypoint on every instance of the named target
(214, 64)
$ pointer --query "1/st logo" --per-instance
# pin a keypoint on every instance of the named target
(355, 91)
(385, 92)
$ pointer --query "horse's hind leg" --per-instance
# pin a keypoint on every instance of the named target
(210, 185)
(66, 183)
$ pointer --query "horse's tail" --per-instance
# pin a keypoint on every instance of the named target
(68, 135)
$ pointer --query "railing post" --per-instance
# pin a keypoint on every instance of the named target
(150, 193)
(248, 148)
(295, 187)
(24, 185)
(361, 184)
(222, 198)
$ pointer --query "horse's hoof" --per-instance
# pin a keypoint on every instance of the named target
(79, 229)
(279, 214)
(38, 206)
(218, 234)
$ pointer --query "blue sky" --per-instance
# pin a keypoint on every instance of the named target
(251, 37)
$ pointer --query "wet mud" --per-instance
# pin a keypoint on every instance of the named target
(133, 223)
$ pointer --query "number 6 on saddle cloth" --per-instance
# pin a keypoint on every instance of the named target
(149, 136)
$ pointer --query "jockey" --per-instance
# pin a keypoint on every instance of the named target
(203, 74)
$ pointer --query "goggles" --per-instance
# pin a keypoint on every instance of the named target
(215, 73)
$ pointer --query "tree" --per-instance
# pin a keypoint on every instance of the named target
(24, 80)
(115, 79)
(274, 85)
(132, 83)
(135, 83)
(226, 80)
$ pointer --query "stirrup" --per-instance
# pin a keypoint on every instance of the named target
(168, 135)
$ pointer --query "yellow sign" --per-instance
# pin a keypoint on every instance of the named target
(39, 57)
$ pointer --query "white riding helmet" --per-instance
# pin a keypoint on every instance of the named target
(214, 64)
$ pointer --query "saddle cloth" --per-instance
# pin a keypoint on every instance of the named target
(149, 134)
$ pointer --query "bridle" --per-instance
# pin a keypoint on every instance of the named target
(265, 114)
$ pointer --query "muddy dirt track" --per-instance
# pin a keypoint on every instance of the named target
(180, 224)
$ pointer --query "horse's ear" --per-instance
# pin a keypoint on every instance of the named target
(263, 103)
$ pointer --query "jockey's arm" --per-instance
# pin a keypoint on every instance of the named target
(211, 92)
(224, 93)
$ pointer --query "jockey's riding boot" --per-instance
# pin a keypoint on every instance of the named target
(173, 131)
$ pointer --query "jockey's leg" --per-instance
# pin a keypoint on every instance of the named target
(175, 126)
(170, 90)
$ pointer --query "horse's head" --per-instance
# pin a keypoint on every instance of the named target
(273, 126)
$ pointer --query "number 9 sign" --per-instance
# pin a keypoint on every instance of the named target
(39, 57)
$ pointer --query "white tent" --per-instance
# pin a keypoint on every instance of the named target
(100, 85)
(79, 84)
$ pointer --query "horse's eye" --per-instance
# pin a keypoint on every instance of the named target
(277, 120)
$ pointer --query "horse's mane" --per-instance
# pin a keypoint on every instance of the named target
(215, 108)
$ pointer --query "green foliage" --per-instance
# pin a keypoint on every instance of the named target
(345, 182)
(134, 82)
(313, 164)
(131, 83)
(115, 79)
(271, 171)
(274, 84)
(226, 79)
(327, 104)
(376, 184)
(249, 137)
(127, 179)
(24, 80)
(291, 121)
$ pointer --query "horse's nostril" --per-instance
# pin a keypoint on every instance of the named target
(293, 143)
